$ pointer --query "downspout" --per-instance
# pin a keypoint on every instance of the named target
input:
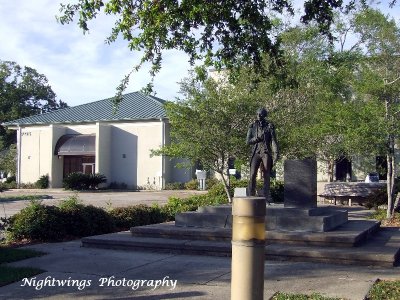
(18, 156)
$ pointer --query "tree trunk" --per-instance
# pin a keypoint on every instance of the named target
(331, 167)
(389, 187)
(391, 174)
(396, 205)
(226, 186)
(390, 164)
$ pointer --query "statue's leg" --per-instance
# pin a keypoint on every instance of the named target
(267, 166)
(254, 165)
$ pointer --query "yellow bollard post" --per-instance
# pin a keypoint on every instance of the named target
(248, 244)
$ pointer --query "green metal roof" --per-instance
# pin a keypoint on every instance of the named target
(134, 106)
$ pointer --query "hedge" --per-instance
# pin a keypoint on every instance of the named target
(72, 219)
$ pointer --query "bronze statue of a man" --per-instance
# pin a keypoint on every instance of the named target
(261, 135)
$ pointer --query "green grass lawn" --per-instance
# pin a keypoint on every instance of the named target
(285, 296)
(385, 290)
(10, 274)
(22, 197)
(14, 254)
(381, 290)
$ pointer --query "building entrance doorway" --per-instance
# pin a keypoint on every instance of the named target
(84, 164)
(343, 169)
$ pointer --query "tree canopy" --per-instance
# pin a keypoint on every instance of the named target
(23, 92)
(209, 125)
(326, 98)
(222, 33)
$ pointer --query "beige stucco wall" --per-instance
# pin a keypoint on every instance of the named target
(131, 145)
(123, 153)
(36, 151)
(173, 173)
(56, 174)
(103, 148)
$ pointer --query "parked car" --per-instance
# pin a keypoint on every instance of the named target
(372, 177)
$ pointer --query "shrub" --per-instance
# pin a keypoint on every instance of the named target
(5, 186)
(174, 186)
(27, 185)
(51, 223)
(276, 188)
(43, 182)
(379, 197)
(378, 214)
(137, 215)
(74, 181)
(192, 185)
(37, 222)
(93, 180)
(11, 179)
(210, 182)
(217, 190)
(85, 220)
(376, 199)
(176, 205)
(70, 203)
(80, 181)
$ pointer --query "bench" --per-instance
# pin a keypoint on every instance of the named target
(350, 191)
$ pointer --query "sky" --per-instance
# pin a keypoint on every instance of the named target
(80, 68)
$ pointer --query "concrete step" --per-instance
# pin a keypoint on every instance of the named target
(224, 209)
(381, 250)
(203, 220)
(366, 256)
(351, 234)
(318, 219)
(324, 222)
(169, 230)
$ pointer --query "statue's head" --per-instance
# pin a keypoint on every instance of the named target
(262, 113)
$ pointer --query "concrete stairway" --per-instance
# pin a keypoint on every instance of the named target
(357, 241)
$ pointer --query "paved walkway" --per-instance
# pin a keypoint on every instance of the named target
(114, 274)
(9, 207)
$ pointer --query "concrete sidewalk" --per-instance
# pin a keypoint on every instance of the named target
(196, 277)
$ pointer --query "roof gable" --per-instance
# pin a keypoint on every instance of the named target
(134, 106)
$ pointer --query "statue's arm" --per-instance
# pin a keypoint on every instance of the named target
(274, 144)
(250, 139)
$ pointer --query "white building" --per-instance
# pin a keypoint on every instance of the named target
(92, 138)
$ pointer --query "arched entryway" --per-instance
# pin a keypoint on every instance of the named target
(78, 153)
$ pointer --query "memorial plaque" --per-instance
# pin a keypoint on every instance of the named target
(300, 179)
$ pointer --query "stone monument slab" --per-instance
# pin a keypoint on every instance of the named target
(300, 177)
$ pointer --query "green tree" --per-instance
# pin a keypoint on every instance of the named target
(379, 80)
(223, 33)
(23, 92)
(313, 102)
(8, 160)
(311, 105)
(209, 125)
